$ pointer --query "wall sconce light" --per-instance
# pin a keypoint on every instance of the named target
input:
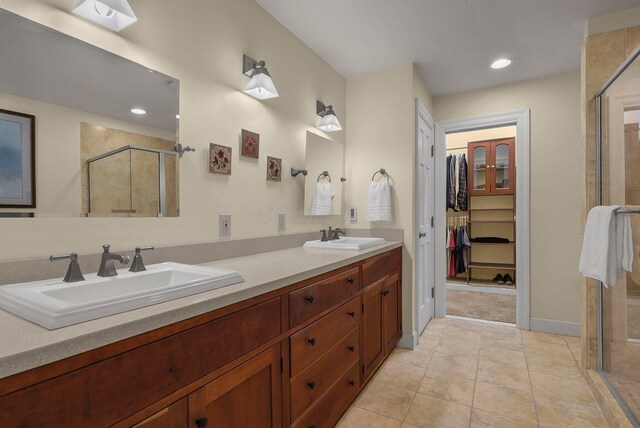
(113, 14)
(260, 86)
(329, 122)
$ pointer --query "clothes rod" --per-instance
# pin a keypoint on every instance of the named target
(457, 148)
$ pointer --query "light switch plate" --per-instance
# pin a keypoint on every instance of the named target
(353, 214)
(281, 222)
(224, 230)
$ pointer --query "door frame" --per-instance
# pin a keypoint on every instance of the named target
(421, 112)
(521, 119)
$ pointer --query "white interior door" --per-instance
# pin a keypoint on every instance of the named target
(425, 200)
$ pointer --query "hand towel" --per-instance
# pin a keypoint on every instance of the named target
(379, 206)
(607, 249)
(322, 200)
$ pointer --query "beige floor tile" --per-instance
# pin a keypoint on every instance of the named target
(417, 357)
(576, 351)
(573, 341)
(454, 364)
(426, 411)
(428, 342)
(562, 388)
(508, 402)
(555, 413)
(448, 387)
(456, 333)
(503, 356)
(361, 418)
(543, 337)
(483, 419)
(511, 342)
(387, 400)
(548, 349)
(500, 329)
(402, 375)
(465, 325)
(501, 375)
(553, 366)
(458, 346)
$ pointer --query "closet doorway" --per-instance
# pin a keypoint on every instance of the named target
(482, 197)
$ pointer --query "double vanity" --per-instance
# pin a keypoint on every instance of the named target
(284, 338)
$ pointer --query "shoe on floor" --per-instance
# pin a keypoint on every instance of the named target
(499, 279)
(508, 280)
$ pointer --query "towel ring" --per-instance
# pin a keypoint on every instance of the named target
(324, 174)
(381, 171)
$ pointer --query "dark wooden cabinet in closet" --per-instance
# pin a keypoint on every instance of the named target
(492, 167)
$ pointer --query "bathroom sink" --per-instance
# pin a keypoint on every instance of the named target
(347, 243)
(54, 303)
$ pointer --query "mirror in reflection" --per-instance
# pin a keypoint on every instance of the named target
(323, 185)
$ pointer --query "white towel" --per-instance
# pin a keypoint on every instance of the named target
(607, 249)
(379, 207)
(322, 200)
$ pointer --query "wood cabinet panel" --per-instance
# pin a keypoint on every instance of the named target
(173, 416)
(313, 341)
(380, 266)
(391, 313)
(248, 396)
(108, 391)
(315, 298)
(491, 169)
(312, 383)
(373, 346)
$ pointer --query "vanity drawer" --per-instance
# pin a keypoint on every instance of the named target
(312, 383)
(108, 391)
(381, 266)
(315, 298)
(312, 342)
(333, 404)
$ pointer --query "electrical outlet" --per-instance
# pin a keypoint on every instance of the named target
(353, 214)
(225, 226)
(281, 222)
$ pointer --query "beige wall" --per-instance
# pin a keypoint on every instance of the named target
(202, 46)
(381, 134)
(557, 171)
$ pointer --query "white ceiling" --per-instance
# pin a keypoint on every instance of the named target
(453, 42)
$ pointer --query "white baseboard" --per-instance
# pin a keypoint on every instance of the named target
(553, 326)
(408, 340)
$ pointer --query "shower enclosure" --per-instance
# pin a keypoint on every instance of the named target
(133, 181)
(618, 183)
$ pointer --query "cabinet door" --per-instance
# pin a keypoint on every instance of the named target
(372, 341)
(174, 416)
(503, 166)
(248, 396)
(391, 312)
(479, 173)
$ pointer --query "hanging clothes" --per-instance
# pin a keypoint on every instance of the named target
(467, 248)
(462, 198)
(451, 183)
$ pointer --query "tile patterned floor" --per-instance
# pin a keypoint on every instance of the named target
(467, 374)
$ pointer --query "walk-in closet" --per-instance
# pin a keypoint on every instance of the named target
(481, 224)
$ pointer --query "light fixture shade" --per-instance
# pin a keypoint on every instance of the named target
(261, 86)
(113, 14)
(329, 123)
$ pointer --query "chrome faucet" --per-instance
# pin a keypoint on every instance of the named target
(336, 233)
(73, 272)
(138, 265)
(107, 264)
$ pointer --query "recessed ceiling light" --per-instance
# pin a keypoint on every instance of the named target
(177, 116)
(501, 63)
(138, 111)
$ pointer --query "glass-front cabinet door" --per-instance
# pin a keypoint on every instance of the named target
(502, 166)
(479, 183)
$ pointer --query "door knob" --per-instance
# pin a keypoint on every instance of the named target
(421, 235)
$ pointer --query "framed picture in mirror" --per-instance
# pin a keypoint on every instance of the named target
(17, 160)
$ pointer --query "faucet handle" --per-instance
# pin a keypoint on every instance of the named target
(139, 249)
(106, 247)
(73, 272)
(138, 264)
(73, 257)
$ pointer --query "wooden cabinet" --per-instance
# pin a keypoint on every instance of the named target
(491, 169)
(391, 312)
(248, 396)
(173, 416)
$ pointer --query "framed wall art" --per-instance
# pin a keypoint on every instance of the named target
(219, 159)
(17, 160)
(250, 144)
(274, 169)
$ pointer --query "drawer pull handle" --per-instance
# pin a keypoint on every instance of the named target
(202, 422)
(385, 293)
(311, 341)
(352, 314)
(351, 280)
(351, 348)
(352, 383)
(311, 385)
(310, 299)
(312, 426)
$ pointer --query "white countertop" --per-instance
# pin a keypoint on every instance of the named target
(25, 345)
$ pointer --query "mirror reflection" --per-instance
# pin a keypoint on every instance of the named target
(323, 185)
(121, 116)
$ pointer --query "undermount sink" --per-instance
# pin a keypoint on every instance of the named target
(54, 303)
(346, 243)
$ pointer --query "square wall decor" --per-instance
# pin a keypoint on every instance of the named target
(250, 144)
(274, 169)
(219, 159)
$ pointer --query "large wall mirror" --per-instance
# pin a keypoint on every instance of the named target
(105, 127)
(324, 180)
